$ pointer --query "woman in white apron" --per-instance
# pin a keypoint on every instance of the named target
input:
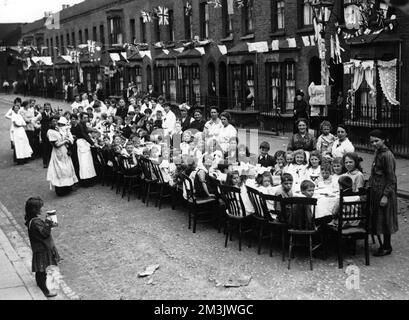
(61, 173)
(22, 149)
(85, 159)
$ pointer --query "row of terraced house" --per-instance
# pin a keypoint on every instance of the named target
(203, 55)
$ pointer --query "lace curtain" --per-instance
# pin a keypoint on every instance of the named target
(364, 69)
(388, 79)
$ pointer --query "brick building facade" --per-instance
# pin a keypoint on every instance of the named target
(251, 85)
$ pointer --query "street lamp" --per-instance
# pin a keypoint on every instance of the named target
(322, 14)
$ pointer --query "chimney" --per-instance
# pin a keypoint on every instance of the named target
(65, 6)
(47, 14)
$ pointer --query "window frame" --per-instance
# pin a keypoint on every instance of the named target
(247, 12)
(204, 20)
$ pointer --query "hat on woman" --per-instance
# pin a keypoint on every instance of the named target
(378, 134)
(184, 106)
(63, 121)
(299, 92)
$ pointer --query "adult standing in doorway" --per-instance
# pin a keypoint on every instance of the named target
(301, 109)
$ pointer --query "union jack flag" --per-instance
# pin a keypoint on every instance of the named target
(146, 16)
(216, 3)
(188, 9)
(240, 3)
(163, 15)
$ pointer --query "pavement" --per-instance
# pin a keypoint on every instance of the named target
(276, 142)
(16, 280)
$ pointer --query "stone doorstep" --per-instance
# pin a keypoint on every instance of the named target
(21, 256)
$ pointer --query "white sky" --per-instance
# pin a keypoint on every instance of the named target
(29, 10)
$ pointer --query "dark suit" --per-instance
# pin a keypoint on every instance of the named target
(266, 161)
(186, 123)
(46, 146)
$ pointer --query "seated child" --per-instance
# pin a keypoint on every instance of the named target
(313, 171)
(338, 171)
(265, 186)
(299, 166)
(325, 181)
(234, 180)
(285, 190)
(264, 159)
(325, 140)
(289, 159)
(301, 217)
(157, 124)
(345, 184)
(186, 140)
(278, 170)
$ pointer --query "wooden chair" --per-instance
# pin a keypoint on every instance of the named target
(235, 214)
(165, 190)
(149, 179)
(131, 177)
(353, 221)
(264, 218)
(300, 213)
(198, 208)
(118, 173)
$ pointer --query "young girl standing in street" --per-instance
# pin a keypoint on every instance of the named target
(42, 244)
(383, 183)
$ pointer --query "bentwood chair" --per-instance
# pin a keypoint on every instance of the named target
(265, 218)
(131, 176)
(149, 179)
(200, 209)
(236, 214)
(165, 190)
(353, 221)
(300, 213)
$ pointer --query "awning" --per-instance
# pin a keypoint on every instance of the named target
(167, 54)
(118, 57)
(382, 46)
(42, 61)
(240, 48)
(374, 38)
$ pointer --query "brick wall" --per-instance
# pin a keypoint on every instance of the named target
(93, 13)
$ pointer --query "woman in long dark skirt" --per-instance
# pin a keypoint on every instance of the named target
(383, 203)
(42, 244)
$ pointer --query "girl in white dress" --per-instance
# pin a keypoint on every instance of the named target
(22, 149)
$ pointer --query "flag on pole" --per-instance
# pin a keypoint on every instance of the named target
(230, 7)
(146, 16)
(216, 3)
(188, 9)
(240, 3)
(163, 15)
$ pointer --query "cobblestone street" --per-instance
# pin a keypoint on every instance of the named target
(106, 241)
